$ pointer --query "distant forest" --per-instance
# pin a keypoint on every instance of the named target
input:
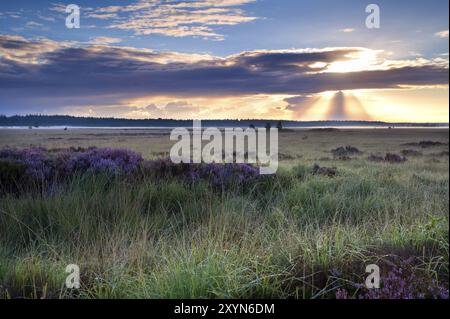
(34, 121)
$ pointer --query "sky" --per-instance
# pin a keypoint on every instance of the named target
(218, 59)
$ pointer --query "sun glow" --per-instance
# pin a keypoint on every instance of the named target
(406, 105)
(333, 105)
(330, 105)
(360, 61)
(413, 105)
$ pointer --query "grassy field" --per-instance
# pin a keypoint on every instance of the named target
(300, 235)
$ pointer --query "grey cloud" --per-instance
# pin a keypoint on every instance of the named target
(105, 71)
(297, 99)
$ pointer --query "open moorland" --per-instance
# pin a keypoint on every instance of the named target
(141, 227)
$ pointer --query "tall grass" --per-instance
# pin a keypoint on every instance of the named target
(299, 235)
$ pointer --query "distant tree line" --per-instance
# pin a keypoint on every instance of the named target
(67, 120)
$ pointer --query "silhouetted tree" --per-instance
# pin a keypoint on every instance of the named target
(279, 125)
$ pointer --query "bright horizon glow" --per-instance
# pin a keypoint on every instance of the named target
(365, 105)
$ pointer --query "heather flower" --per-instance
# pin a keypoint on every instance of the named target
(217, 175)
(342, 294)
(97, 160)
(44, 165)
(401, 282)
(38, 163)
(56, 165)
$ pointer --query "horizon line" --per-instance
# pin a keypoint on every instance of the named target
(218, 119)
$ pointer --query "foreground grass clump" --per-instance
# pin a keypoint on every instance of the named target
(161, 231)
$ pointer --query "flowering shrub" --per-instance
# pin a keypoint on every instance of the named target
(37, 161)
(401, 282)
(107, 160)
(11, 176)
(44, 165)
(218, 175)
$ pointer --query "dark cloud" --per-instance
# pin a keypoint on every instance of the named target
(291, 61)
(44, 70)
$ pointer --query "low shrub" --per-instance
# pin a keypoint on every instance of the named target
(12, 175)
(218, 175)
(47, 167)
(402, 281)
(345, 151)
(388, 158)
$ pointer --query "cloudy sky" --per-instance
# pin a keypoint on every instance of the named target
(210, 59)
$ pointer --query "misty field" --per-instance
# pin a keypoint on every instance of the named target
(341, 200)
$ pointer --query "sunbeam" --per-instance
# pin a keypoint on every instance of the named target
(346, 106)
(337, 109)
(358, 110)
